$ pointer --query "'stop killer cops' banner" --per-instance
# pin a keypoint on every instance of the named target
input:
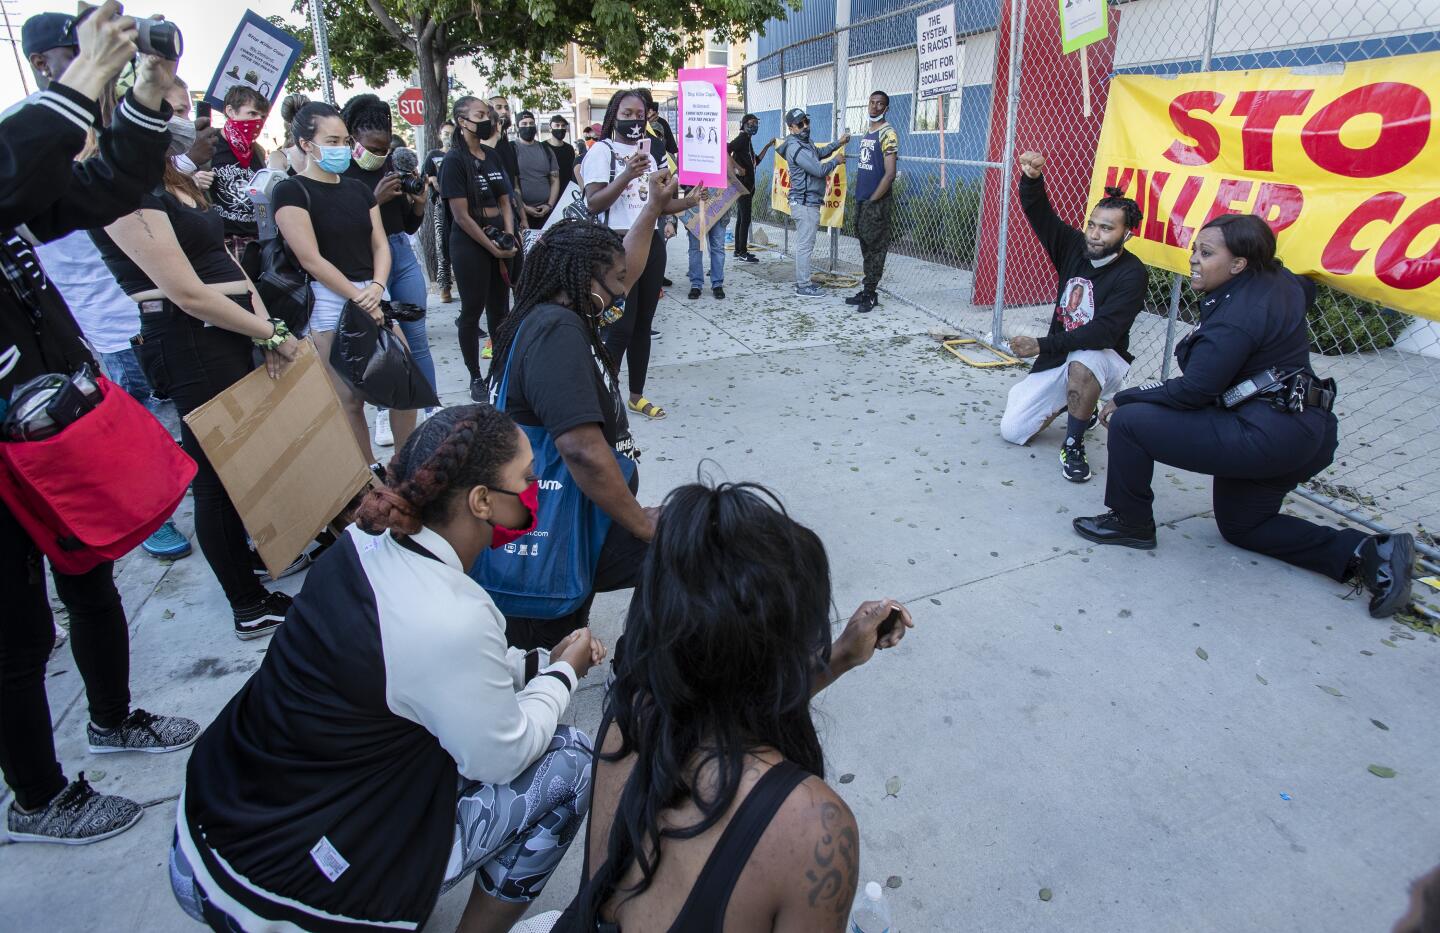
(1345, 167)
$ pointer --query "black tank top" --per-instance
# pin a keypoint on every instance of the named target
(704, 910)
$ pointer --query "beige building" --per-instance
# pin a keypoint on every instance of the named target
(589, 88)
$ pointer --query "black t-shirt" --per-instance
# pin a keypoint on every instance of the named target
(394, 213)
(340, 214)
(548, 386)
(228, 192)
(508, 158)
(565, 159)
(486, 180)
(200, 232)
(742, 150)
(431, 169)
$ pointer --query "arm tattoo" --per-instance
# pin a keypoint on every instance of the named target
(836, 869)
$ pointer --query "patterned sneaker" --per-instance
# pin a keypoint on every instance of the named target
(144, 732)
(262, 618)
(167, 543)
(77, 816)
(1073, 464)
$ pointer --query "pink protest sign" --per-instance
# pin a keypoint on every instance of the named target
(704, 156)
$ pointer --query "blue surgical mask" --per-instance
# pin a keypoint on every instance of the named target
(334, 159)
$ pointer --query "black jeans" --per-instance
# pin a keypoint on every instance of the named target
(196, 363)
(482, 288)
(99, 641)
(742, 223)
(1257, 455)
(618, 568)
(631, 334)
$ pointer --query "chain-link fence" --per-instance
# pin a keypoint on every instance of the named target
(960, 251)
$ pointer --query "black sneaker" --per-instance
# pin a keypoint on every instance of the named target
(748, 257)
(263, 575)
(262, 618)
(1112, 529)
(1073, 464)
(144, 732)
(478, 392)
(718, 292)
(694, 293)
(666, 282)
(856, 298)
(1386, 565)
(1094, 420)
(77, 816)
(867, 303)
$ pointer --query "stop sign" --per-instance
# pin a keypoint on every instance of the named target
(412, 106)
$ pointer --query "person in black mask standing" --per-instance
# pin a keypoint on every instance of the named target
(563, 151)
(746, 161)
(1248, 410)
(46, 195)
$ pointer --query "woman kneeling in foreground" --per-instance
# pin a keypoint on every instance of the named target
(711, 812)
(390, 744)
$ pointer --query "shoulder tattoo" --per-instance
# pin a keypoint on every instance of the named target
(835, 869)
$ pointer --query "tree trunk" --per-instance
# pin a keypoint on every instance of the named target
(434, 88)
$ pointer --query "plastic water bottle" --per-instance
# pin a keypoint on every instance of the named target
(872, 912)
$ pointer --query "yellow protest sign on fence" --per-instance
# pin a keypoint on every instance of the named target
(832, 212)
(1344, 167)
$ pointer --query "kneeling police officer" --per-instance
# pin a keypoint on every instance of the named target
(1249, 411)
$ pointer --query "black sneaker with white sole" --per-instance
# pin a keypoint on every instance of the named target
(144, 732)
(263, 575)
(1073, 464)
(77, 816)
(262, 618)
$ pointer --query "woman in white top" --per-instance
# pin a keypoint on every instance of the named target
(615, 172)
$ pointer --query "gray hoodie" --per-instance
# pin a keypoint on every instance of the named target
(808, 170)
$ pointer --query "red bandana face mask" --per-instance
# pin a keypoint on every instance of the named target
(241, 134)
(530, 498)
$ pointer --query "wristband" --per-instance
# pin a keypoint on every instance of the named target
(276, 338)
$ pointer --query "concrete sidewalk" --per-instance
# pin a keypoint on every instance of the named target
(1052, 721)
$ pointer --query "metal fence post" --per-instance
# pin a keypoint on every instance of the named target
(841, 98)
(1007, 164)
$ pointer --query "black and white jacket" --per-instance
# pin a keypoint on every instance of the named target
(323, 795)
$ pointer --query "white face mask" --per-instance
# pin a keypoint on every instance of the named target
(880, 118)
(182, 135)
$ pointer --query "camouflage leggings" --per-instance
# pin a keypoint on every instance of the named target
(872, 226)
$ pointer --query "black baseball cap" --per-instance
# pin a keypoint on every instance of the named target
(45, 31)
(795, 116)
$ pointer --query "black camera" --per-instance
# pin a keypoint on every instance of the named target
(501, 239)
(410, 184)
(157, 36)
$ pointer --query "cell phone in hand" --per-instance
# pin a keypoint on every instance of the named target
(888, 626)
(202, 110)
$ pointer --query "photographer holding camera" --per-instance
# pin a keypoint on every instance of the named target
(400, 192)
(47, 195)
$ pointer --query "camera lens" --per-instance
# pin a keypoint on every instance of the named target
(158, 37)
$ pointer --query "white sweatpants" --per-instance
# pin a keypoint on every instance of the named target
(1039, 395)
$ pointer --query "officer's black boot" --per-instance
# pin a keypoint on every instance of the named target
(1112, 529)
(1385, 565)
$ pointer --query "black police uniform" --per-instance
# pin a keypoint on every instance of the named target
(1256, 452)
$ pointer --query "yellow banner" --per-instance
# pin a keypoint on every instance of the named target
(832, 212)
(1344, 167)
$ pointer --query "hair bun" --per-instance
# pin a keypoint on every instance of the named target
(1115, 192)
(384, 508)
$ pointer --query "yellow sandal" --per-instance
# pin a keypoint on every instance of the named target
(647, 408)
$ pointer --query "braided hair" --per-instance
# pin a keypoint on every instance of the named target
(366, 113)
(1115, 200)
(451, 453)
(562, 264)
(612, 110)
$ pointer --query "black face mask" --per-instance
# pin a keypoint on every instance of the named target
(750, 129)
(484, 129)
(558, 133)
(630, 131)
(527, 133)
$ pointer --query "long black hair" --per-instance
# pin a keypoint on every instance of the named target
(612, 110)
(366, 113)
(561, 264)
(728, 627)
(1249, 238)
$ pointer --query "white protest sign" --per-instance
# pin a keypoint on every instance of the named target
(260, 56)
(704, 158)
(935, 44)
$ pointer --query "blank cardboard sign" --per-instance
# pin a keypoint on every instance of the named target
(285, 453)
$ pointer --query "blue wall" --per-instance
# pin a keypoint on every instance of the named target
(816, 18)
(896, 32)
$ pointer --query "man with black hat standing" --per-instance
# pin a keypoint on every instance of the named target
(808, 172)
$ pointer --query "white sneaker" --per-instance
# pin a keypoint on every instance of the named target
(384, 437)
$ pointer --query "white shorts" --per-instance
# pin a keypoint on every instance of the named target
(1037, 397)
(328, 305)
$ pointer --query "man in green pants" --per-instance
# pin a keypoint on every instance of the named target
(874, 177)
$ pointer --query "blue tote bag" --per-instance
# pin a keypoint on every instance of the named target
(549, 572)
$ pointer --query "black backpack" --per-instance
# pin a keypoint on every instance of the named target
(283, 283)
